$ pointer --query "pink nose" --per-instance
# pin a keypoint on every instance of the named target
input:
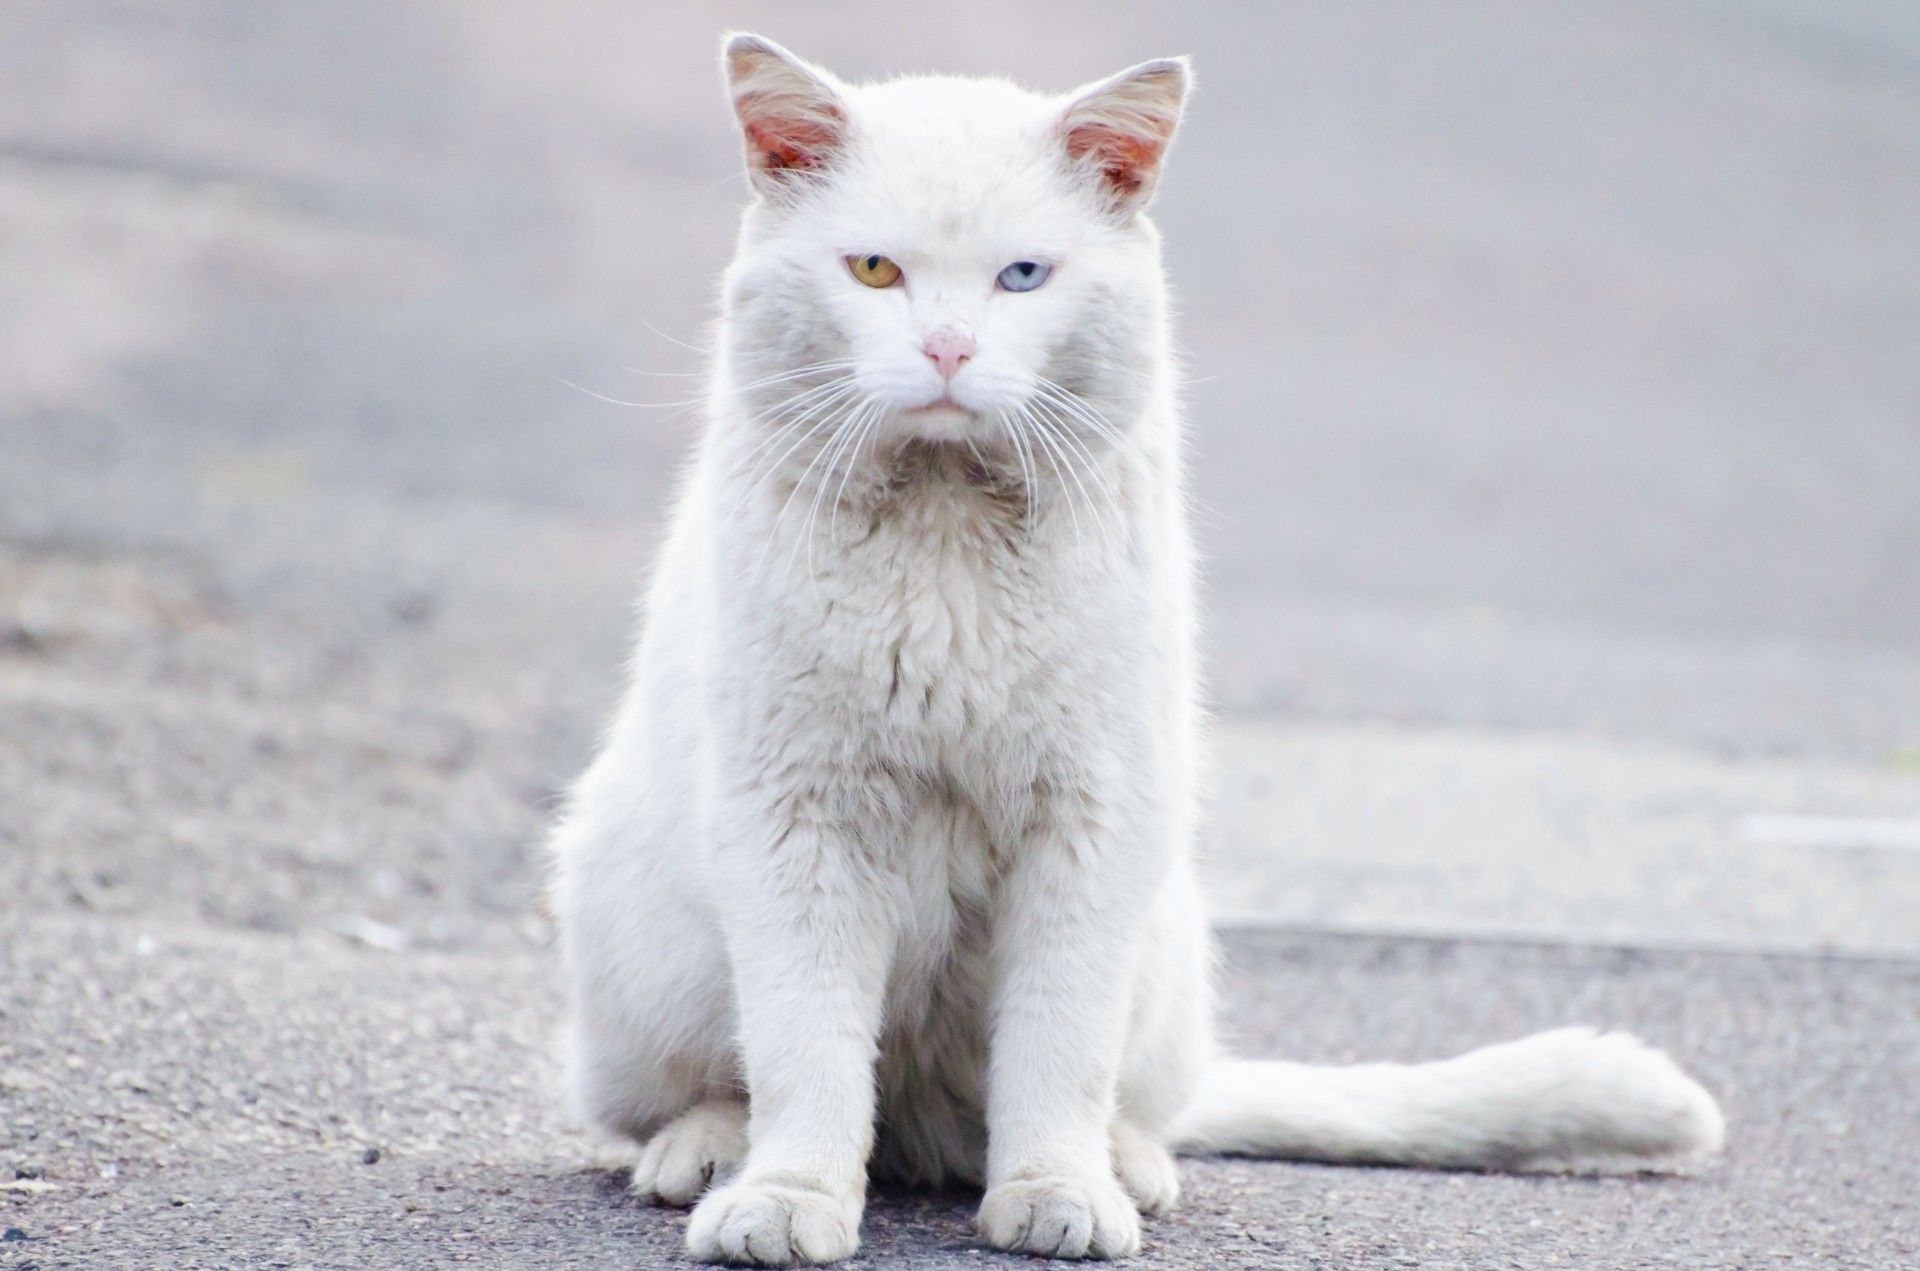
(949, 350)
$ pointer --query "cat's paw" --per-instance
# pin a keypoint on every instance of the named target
(1145, 1170)
(773, 1225)
(702, 1145)
(1061, 1218)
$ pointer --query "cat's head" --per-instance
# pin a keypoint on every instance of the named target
(940, 255)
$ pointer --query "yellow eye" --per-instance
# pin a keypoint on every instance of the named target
(875, 271)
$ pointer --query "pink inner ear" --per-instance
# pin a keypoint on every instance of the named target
(1126, 159)
(782, 137)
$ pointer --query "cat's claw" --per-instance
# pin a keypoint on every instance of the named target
(773, 1225)
(1061, 1218)
(700, 1147)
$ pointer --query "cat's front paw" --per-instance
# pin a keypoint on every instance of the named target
(773, 1225)
(1145, 1170)
(688, 1154)
(1061, 1218)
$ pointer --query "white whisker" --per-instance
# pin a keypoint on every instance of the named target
(616, 401)
(1084, 411)
(798, 372)
(871, 424)
(820, 410)
(770, 470)
(671, 339)
(773, 528)
(1091, 463)
(1054, 460)
(848, 436)
(806, 402)
(696, 401)
(1051, 434)
(1026, 466)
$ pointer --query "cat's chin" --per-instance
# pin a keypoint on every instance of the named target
(941, 421)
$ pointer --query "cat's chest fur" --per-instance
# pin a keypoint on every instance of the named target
(943, 611)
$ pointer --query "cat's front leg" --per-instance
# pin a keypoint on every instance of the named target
(808, 936)
(1065, 947)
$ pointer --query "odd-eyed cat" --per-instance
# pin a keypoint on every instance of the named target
(886, 863)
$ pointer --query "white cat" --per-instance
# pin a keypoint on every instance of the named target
(886, 864)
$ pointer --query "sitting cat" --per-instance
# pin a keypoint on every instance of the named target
(886, 864)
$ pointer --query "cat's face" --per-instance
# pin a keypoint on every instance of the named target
(948, 259)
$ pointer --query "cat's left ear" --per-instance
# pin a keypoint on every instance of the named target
(1119, 129)
(792, 116)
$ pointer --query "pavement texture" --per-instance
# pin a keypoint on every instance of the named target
(1556, 441)
(208, 1099)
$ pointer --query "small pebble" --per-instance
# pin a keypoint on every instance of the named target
(14, 1234)
(370, 1156)
(178, 1202)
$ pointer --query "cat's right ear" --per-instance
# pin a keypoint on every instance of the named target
(792, 116)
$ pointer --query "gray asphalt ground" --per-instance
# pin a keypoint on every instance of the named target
(1557, 449)
(209, 1099)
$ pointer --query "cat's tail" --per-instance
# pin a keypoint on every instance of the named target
(1571, 1099)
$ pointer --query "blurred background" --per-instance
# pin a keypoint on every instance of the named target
(1555, 405)
(1556, 430)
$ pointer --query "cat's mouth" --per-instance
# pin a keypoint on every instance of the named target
(942, 419)
(943, 402)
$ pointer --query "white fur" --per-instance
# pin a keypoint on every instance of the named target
(894, 825)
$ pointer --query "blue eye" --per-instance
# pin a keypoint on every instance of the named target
(1023, 275)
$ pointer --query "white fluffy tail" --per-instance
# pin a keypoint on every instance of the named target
(1571, 1099)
